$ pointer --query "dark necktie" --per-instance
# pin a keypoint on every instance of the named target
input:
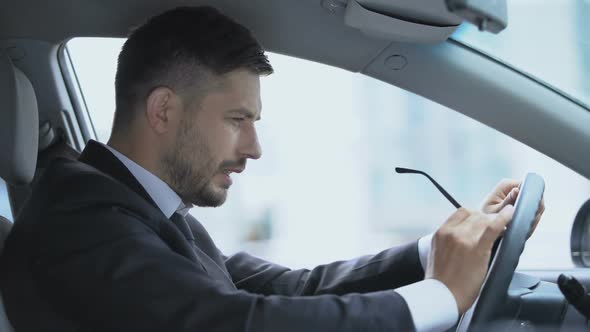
(180, 222)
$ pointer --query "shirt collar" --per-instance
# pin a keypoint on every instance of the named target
(167, 199)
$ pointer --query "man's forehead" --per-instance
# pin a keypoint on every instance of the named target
(235, 91)
(242, 80)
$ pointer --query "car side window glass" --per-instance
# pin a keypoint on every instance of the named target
(325, 188)
(5, 210)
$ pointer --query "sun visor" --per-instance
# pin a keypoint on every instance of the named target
(412, 21)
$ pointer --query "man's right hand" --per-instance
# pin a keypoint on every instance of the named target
(461, 250)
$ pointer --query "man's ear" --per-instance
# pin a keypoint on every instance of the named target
(161, 109)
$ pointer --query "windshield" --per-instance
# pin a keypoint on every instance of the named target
(548, 40)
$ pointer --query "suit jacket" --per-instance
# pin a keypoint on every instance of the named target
(91, 251)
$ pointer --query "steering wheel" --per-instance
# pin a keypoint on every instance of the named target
(493, 297)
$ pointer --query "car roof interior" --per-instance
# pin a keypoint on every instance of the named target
(449, 73)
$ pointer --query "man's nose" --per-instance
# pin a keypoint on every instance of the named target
(250, 147)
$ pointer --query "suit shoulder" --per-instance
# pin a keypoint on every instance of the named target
(72, 194)
(71, 185)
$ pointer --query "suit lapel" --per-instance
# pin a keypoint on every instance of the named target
(207, 254)
(204, 241)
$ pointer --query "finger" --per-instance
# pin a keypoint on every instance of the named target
(541, 207)
(506, 185)
(504, 217)
(510, 199)
(496, 200)
(498, 225)
(540, 211)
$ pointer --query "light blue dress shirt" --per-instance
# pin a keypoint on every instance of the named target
(167, 199)
(431, 303)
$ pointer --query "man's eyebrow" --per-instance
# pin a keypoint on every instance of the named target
(251, 115)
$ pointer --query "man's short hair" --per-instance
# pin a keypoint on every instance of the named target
(182, 49)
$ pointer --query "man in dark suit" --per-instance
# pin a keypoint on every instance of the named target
(105, 242)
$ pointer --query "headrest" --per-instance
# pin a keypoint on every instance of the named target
(19, 125)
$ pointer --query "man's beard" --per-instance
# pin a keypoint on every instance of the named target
(190, 168)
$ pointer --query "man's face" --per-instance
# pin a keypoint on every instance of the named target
(216, 137)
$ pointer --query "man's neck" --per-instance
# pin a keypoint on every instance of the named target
(161, 193)
(138, 153)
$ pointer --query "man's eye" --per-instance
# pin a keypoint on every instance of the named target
(237, 121)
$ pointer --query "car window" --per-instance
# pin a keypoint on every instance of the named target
(5, 210)
(325, 188)
(552, 44)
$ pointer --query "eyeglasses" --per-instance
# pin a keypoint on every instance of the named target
(402, 170)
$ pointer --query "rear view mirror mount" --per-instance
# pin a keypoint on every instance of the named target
(491, 16)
